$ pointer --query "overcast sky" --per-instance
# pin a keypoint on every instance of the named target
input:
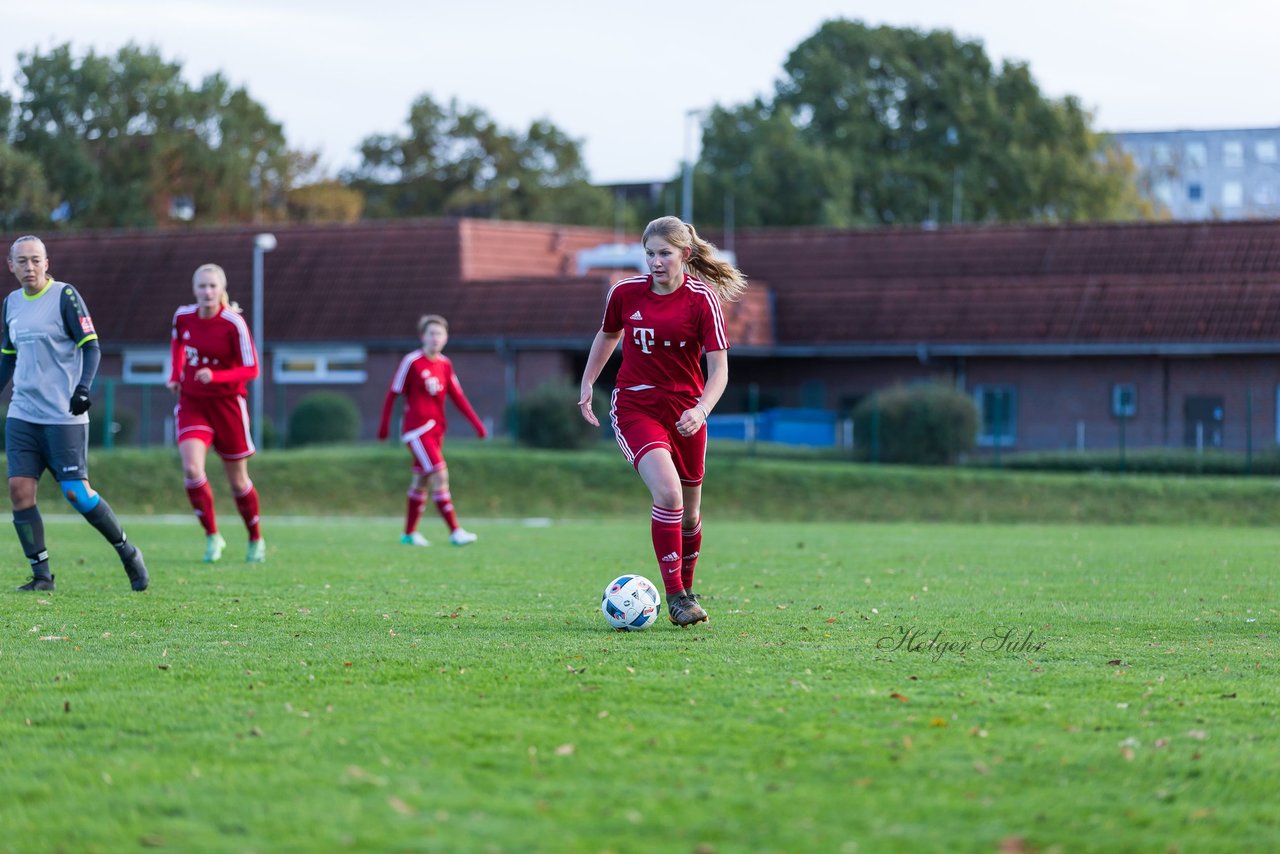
(621, 77)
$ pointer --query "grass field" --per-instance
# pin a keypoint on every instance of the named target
(861, 687)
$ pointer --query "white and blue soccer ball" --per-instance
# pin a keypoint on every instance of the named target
(630, 603)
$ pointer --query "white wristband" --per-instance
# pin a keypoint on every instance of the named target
(706, 413)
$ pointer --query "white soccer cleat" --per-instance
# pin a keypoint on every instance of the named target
(213, 546)
(462, 537)
(414, 539)
(257, 552)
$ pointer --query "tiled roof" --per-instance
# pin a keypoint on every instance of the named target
(1174, 282)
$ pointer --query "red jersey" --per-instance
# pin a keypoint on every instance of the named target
(424, 382)
(664, 335)
(221, 343)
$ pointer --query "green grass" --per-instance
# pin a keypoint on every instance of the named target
(359, 695)
(500, 481)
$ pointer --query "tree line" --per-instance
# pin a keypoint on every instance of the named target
(866, 126)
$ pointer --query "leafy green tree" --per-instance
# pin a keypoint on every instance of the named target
(455, 160)
(121, 137)
(25, 199)
(879, 125)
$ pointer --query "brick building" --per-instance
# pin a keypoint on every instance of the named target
(1065, 335)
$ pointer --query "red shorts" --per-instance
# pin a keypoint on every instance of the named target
(646, 420)
(220, 422)
(426, 443)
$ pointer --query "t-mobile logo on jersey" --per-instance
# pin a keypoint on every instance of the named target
(643, 338)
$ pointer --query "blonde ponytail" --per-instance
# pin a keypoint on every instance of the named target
(727, 279)
(221, 276)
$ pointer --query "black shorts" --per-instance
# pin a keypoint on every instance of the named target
(61, 448)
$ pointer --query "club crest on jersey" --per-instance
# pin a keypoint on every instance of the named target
(86, 325)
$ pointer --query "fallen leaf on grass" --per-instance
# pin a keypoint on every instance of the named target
(1197, 734)
(565, 750)
(1115, 662)
(55, 637)
(1230, 696)
(901, 698)
(938, 722)
(400, 806)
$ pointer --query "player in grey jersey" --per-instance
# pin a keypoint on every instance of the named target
(50, 351)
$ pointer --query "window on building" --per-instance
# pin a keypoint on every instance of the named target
(1232, 194)
(1162, 154)
(1124, 400)
(338, 365)
(1195, 192)
(1233, 154)
(997, 414)
(146, 367)
(1265, 151)
(1163, 192)
(1264, 194)
(1197, 155)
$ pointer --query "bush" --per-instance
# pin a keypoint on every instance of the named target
(122, 430)
(548, 417)
(323, 417)
(271, 437)
(926, 424)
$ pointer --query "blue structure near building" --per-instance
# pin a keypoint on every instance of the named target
(814, 428)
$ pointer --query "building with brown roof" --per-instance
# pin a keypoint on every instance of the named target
(1058, 331)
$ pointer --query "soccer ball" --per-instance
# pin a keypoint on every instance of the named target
(630, 603)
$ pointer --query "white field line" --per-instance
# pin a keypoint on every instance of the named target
(284, 521)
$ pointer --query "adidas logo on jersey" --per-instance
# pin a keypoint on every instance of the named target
(636, 316)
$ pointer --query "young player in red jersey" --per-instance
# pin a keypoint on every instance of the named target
(213, 358)
(425, 377)
(666, 322)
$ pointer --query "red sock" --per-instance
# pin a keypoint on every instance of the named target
(417, 500)
(690, 545)
(201, 497)
(444, 503)
(247, 504)
(666, 546)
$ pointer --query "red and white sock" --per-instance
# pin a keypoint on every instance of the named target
(200, 495)
(666, 546)
(444, 503)
(247, 504)
(417, 501)
(690, 546)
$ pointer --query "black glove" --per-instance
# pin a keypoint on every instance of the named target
(80, 401)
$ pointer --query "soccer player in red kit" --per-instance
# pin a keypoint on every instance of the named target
(667, 321)
(425, 377)
(213, 358)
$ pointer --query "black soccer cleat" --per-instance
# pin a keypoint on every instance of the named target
(39, 582)
(136, 570)
(684, 611)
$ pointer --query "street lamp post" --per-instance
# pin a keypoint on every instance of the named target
(686, 209)
(262, 244)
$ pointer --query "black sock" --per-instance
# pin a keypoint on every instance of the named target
(30, 526)
(104, 519)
